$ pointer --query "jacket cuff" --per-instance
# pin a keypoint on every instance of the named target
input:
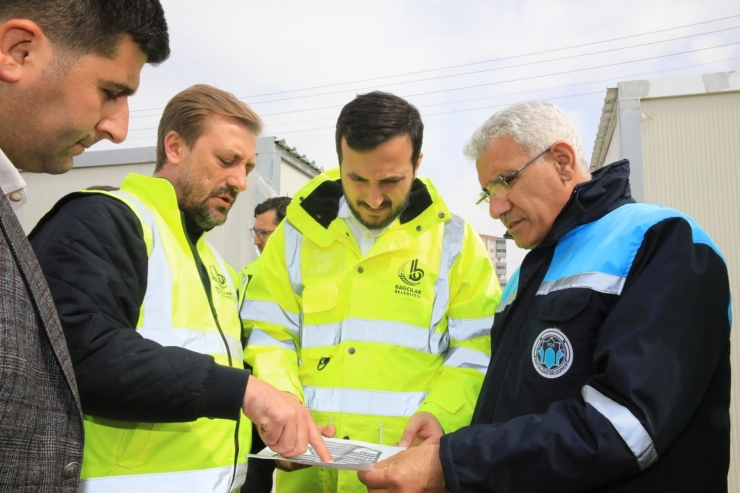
(224, 395)
(445, 457)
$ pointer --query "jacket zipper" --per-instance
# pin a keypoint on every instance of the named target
(207, 287)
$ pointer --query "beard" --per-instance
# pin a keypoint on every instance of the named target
(202, 212)
(379, 222)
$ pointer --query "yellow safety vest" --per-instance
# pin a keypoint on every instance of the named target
(197, 456)
(367, 341)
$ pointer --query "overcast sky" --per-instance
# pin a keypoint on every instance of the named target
(298, 62)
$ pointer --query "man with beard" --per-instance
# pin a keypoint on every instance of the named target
(373, 303)
(150, 313)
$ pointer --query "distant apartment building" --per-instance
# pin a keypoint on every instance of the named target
(497, 252)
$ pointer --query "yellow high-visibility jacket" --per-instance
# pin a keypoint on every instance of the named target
(367, 341)
(174, 457)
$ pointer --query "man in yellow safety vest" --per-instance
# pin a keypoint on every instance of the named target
(150, 313)
(372, 302)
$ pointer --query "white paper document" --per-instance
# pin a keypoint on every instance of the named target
(351, 455)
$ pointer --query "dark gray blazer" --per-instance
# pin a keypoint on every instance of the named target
(41, 431)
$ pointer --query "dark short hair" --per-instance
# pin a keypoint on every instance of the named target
(374, 118)
(277, 204)
(96, 26)
(188, 109)
(104, 188)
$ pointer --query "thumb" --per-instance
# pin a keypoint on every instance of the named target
(415, 424)
(327, 430)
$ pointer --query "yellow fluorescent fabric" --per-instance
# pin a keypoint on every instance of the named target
(367, 341)
(176, 457)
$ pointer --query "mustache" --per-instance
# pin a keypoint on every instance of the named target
(385, 203)
(225, 190)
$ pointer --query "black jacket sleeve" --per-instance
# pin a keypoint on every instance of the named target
(91, 249)
(656, 356)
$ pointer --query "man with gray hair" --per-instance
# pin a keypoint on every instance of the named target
(610, 368)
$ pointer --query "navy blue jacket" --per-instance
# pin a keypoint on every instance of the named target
(610, 369)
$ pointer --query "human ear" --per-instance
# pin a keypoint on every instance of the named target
(418, 163)
(565, 160)
(173, 147)
(23, 48)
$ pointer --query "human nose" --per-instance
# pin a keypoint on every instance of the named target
(498, 207)
(237, 179)
(114, 122)
(374, 197)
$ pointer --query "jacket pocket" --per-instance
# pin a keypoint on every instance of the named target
(563, 306)
(320, 329)
(133, 441)
(561, 340)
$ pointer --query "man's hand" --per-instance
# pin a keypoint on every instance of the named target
(327, 431)
(284, 424)
(415, 470)
(423, 429)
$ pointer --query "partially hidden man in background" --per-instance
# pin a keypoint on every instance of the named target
(267, 217)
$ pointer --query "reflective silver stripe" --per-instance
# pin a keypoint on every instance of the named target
(463, 357)
(262, 338)
(598, 281)
(157, 303)
(465, 329)
(502, 306)
(626, 424)
(225, 272)
(217, 479)
(293, 240)
(194, 340)
(270, 312)
(381, 331)
(452, 239)
(355, 401)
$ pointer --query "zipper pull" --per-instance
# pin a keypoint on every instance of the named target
(322, 363)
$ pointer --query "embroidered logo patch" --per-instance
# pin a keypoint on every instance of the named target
(552, 353)
(410, 273)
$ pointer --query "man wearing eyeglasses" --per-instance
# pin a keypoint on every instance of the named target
(267, 216)
(610, 367)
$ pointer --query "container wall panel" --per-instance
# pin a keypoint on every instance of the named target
(691, 151)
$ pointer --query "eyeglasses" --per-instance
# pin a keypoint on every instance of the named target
(262, 234)
(500, 188)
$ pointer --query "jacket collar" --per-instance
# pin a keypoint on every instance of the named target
(322, 204)
(608, 189)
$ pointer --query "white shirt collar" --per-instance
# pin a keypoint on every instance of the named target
(12, 183)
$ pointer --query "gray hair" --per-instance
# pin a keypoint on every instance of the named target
(534, 125)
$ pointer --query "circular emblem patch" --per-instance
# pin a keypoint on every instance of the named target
(552, 353)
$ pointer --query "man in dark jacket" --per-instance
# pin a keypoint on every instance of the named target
(67, 68)
(610, 369)
(150, 313)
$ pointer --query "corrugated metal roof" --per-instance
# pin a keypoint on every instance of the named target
(606, 128)
(292, 150)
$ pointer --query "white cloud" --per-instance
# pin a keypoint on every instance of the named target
(252, 48)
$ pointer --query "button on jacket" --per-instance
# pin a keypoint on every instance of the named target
(610, 369)
(41, 430)
(368, 340)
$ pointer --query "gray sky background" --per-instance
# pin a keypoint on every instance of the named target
(298, 62)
